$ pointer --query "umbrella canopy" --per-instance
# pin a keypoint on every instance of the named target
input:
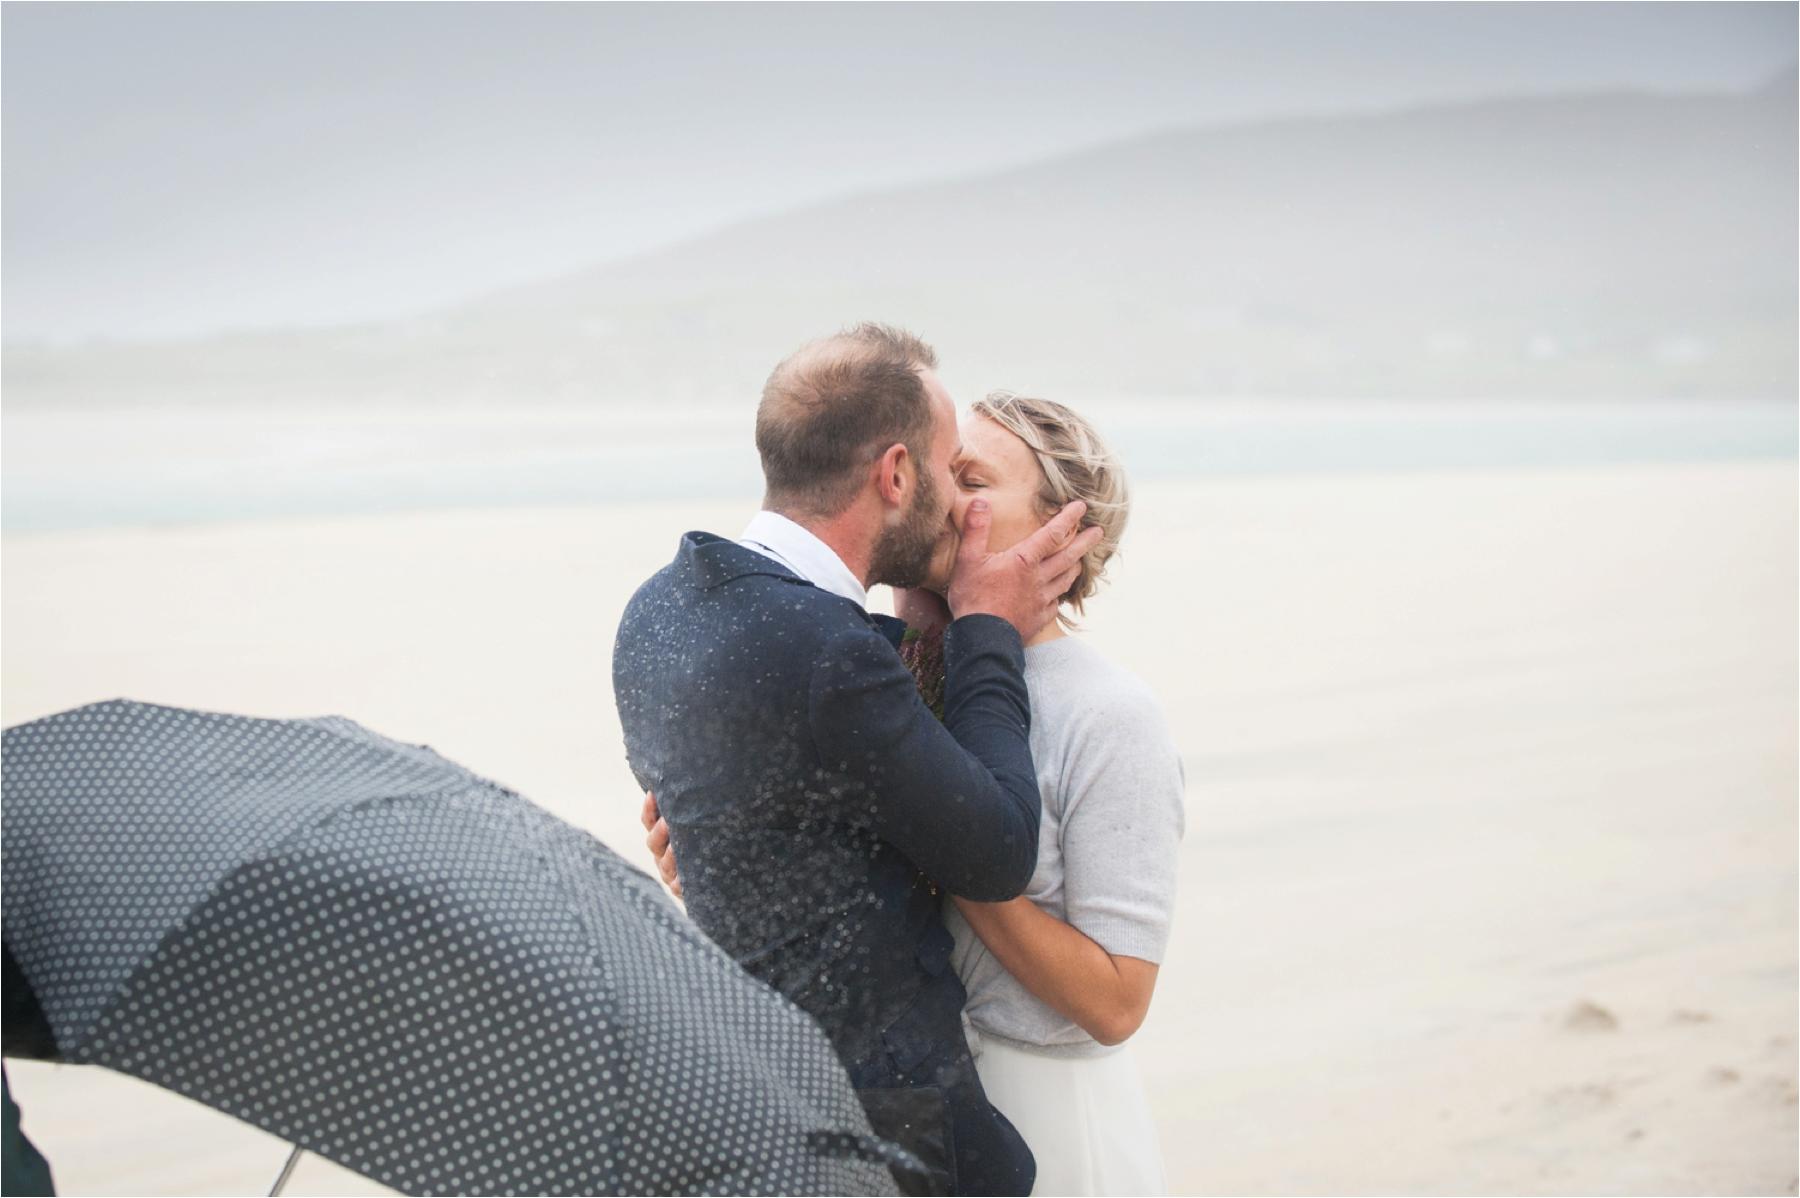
(374, 953)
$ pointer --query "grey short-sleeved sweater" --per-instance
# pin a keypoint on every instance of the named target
(1112, 787)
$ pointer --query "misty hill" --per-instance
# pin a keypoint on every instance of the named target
(1602, 245)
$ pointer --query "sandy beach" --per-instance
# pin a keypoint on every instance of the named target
(1489, 883)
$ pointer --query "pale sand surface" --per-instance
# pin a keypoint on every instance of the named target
(1463, 752)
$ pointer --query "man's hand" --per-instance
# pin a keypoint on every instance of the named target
(658, 844)
(1023, 585)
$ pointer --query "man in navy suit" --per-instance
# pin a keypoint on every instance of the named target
(816, 805)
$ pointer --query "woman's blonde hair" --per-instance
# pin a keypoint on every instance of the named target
(1075, 464)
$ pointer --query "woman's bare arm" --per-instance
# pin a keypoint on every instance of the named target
(1106, 996)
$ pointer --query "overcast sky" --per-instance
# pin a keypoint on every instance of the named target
(173, 169)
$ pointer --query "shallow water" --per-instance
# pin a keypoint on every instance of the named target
(99, 468)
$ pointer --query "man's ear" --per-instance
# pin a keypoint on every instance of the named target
(894, 474)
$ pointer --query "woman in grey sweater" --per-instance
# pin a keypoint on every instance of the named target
(1061, 977)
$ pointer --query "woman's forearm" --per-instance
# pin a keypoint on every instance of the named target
(1106, 996)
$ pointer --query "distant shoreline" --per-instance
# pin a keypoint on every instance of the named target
(116, 468)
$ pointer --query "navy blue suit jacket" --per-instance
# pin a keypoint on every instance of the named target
(817, 807)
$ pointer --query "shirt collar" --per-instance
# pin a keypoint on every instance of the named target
(774, 535)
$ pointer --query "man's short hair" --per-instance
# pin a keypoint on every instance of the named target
(835, 405)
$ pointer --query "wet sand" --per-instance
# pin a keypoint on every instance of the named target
(1490, 875)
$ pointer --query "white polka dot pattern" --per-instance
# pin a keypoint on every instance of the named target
(374, 953)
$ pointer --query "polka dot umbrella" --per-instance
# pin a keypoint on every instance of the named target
(385, 959)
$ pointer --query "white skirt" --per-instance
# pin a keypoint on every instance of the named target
(1085, 1119)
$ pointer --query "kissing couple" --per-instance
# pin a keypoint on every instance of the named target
(950, 837)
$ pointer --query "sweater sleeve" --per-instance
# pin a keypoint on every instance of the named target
(1122, 825)
(959, 798)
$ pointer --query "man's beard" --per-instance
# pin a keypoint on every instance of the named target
(904, 552)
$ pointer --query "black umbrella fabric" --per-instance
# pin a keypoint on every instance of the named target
(377, 955)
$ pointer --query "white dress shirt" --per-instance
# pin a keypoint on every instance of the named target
(774, 535)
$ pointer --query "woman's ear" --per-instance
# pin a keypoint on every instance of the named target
(894, 474)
